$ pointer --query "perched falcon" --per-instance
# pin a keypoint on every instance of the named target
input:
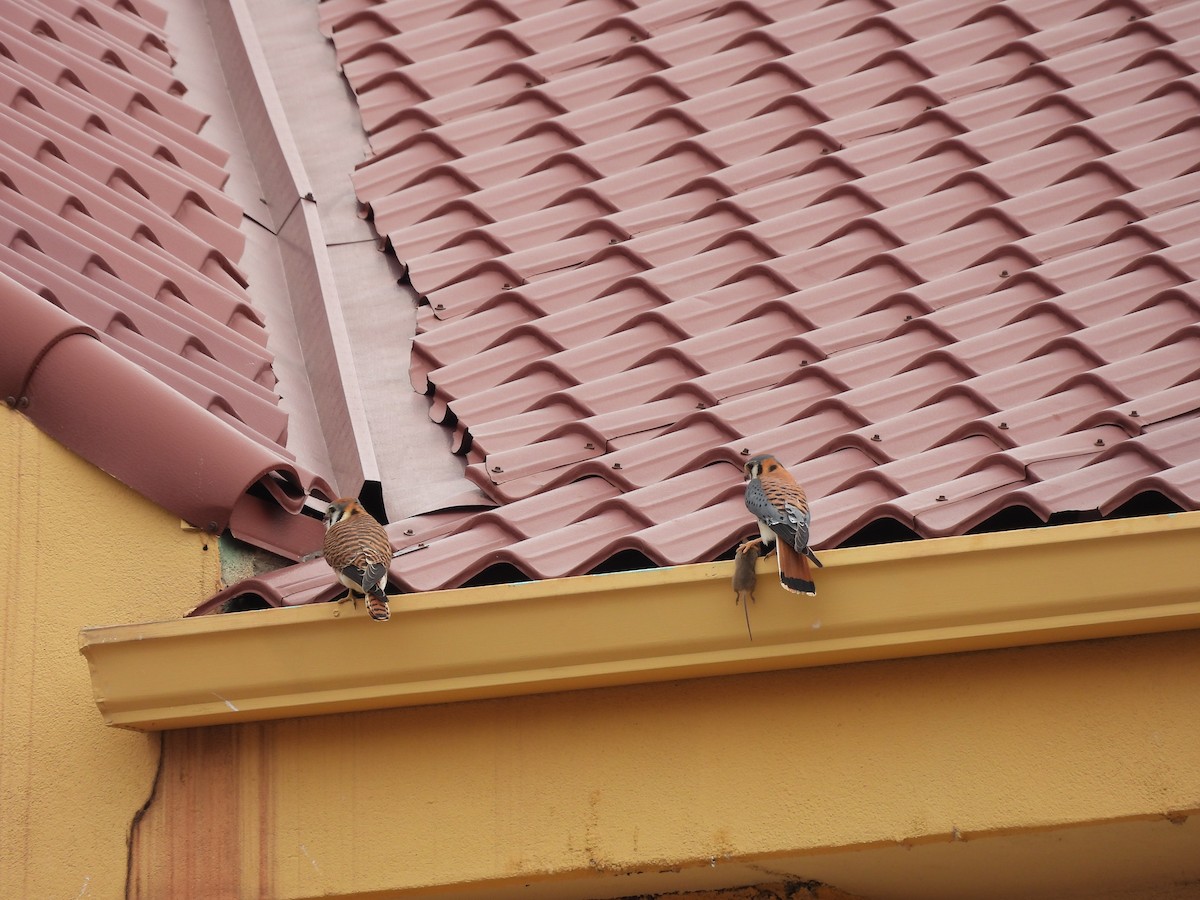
(358, 549)
(778, 502)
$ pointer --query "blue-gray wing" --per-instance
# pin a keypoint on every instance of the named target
(760, 507)
(785, 515)
(368, 579)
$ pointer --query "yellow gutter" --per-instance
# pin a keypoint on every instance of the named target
(1072, 582)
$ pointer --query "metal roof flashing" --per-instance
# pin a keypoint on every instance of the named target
(1044, 585)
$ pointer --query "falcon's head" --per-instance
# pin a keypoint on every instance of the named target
(756, 466)
(340, 510)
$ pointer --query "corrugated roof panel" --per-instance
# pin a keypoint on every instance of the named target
(107, 47)
(115, 231)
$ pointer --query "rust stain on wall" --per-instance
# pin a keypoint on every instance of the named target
(191, 839)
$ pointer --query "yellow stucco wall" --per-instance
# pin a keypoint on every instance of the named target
(566, 795)
(77, 548)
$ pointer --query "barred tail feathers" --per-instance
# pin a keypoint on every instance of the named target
(795, 574)
(377, 605)
(373, 580)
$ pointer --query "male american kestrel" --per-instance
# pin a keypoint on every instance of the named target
(358, 549)
(778, 502)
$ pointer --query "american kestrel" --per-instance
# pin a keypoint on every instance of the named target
(358, 549)
(778, 502)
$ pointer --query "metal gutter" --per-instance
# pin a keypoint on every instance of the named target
(1063, 583)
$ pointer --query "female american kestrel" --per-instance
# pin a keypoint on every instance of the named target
(781, 507)
(358, 549)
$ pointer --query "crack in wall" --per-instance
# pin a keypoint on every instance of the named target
(139, 814)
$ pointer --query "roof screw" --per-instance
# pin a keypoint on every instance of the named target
(507, 286)
(212, 528)
(589, 446)
(1099, 442)
(497, 469)
(908, 318)
(616, 465)
(1004, 426)
(408, 531)
(745, 451)
(941, 498)
(11, 402)
(804, 362)
(612, 240)
(876, 437)
(1004, 273)
(701, 406)
(1133, 413)
(440, 306)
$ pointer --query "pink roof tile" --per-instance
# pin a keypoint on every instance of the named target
(938, 235)
(130, 336)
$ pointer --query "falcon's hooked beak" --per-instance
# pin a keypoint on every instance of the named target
(333, 515)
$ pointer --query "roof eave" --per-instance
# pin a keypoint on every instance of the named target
(1065, 583)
